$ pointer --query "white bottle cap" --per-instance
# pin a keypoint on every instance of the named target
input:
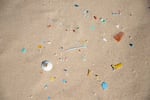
(46, 65)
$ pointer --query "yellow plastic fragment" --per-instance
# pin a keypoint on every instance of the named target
(40, 46)
(117, 66)
(52, 79)
(89, 73)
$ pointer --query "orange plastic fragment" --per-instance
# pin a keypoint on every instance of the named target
(118, 36)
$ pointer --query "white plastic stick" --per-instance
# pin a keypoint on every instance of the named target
(76, 48)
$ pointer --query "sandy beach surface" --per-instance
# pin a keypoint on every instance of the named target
(80, 38)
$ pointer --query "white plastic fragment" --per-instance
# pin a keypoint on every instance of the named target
(117, 26)
(46, 65)
(49, 42)
(104, 39)
(76, 48)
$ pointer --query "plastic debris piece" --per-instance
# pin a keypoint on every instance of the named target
(89, 73)
(84, 58)
(117, 66)
(84, 42)
(49, 26)
(116, 13)
(43, 41)
(55, 54)
(41, 72)
(104, 86)
(85, 12)
(76, 5)
(74, 30)
(64, 81)
(65, 70)
(30, 96)
(45, 86)
(97, 78)
(49, 42)
(92, 28)
(117, 26)
(130, 14)
(76, 48)
(94, 94)
(95, 17)
(46, 65)
(40, 46)
(77, 27)
(52, 79)
(61, 47)
(79, 50)
(131, 45)
(24, 50)
(118, 36)
(104, 39)
(130, 37)
(66, 73)
(49, 98)
(103, 20)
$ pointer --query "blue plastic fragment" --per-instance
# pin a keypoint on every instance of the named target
(49, 98)
(104, 86)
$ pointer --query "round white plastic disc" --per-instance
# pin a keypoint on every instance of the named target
(46, 65)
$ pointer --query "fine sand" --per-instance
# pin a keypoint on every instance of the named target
(75, 36)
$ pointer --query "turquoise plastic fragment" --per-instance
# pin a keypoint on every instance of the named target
(24, 50)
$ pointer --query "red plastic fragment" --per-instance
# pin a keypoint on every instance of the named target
(118, 36)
